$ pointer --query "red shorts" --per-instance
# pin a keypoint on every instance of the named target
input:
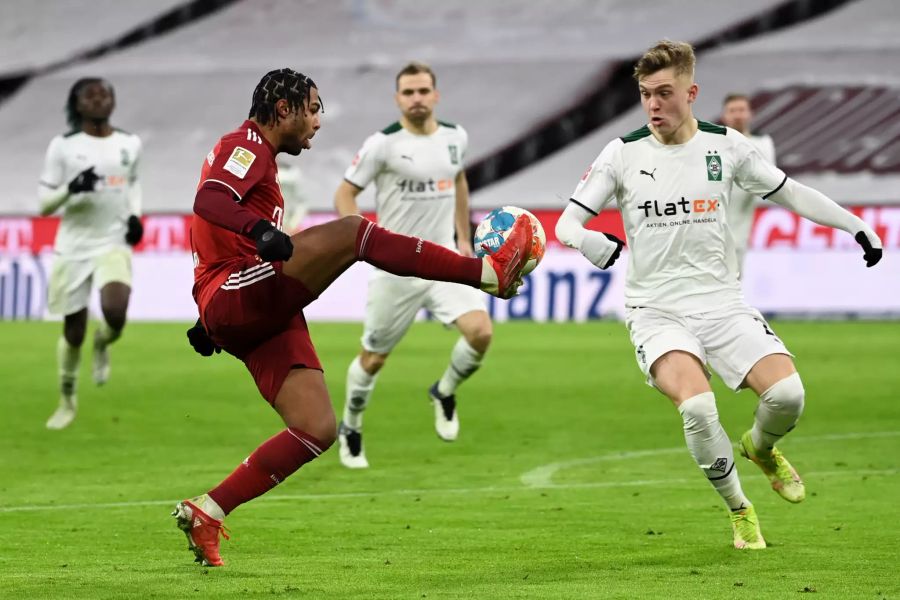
(257, 315)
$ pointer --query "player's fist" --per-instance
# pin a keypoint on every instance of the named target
(135, 230)
(871, 246)
(86, 181)
(271, 243)
(200, 340)
(615, 250)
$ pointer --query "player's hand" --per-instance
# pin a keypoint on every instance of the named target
(200, 340)
(86, 181)
(871, 246)
(619, 244)
(135, 230)
(271, 244)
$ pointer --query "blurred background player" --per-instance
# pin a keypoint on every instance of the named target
(296, 200)
(252, 281)
(684, 303)
(421, 190)
(91, 175)
(737, 114)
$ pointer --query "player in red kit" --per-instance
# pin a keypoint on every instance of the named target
(252, 281)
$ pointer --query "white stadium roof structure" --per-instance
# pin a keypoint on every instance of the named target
(503, 66)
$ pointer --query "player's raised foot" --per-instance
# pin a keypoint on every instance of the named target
(781, 474)
(202, 532)
(446, 421)
(507, 262)
(65, 412)
(745, 526)
(101, 366)
(351, 451)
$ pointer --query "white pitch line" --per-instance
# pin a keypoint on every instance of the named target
(542, 477)
(488, 489)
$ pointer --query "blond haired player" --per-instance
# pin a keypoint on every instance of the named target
(421, 190)
(672, 181)
(737, 114)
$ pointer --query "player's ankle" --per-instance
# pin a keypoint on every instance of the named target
(490, 283)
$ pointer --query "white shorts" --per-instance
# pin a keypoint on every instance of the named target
(394, 302)
(729, 340)
(69, 288)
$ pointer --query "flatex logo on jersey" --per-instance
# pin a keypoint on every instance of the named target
(701, 210)
(431, 189)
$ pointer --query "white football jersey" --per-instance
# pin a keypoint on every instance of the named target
(673, 201)
(415, 179)
(94, 222)
(742, 206)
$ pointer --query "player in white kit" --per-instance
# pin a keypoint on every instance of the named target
(421, 190)
(90, 175)
(672, 181)
(737, 114)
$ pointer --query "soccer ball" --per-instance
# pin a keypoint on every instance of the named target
(491, 234)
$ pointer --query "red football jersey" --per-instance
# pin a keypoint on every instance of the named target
(244, 162)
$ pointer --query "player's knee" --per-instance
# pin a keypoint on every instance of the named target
(324, 429)
(480, 337)
(786, 397)
(699, 412)
(372, 362)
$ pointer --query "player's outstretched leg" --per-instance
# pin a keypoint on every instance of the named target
(709, 445)
(68, 356)
(779, 408)
(114, 305)
(304, 406)
(323, 252)
(465, 360)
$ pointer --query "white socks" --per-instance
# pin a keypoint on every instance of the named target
(464, 361)
(68, 358)
(779, 408)
(359, 387)
(209, 506)
(709, 445)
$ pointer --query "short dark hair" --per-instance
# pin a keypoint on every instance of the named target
(736, 96)
(280, 84)
(414, 68)
(73, 117)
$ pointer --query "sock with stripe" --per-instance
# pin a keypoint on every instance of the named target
(405, 255)
(464, 361)
(269, 465)
(712, 450)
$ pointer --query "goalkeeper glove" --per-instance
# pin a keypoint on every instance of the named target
(135, 230)
(85, 181)
(871, 254)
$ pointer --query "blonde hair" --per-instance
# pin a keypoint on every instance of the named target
(665, 54)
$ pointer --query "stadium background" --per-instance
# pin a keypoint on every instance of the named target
(540, 86)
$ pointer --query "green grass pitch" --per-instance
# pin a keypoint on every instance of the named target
(570, 478)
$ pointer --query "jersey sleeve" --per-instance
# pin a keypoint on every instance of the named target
(598, 185)
(368, 161)
(753, 172)
(236, 164)
(54, 171)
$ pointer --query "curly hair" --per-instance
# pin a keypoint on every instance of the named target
(73, 117)
(280, 84)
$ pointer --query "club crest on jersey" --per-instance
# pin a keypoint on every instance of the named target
(125, 158)
(239, 162)
(713, 167)
(454, 153)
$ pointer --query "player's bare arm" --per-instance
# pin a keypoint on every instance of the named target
(345, 198)
(461, 220)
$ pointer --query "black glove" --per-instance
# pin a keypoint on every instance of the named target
(135, 231)
(271, 244)
(85, 181)
(615, 255)
(870, 254)
(201, 341)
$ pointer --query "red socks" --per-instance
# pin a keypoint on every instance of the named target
(404, 255)
(269, 465)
